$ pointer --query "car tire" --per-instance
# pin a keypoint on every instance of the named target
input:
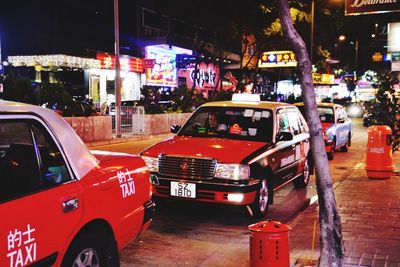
(346, 146)
(260, 204)
(349, 140)
(331, 154)
(91, 249)
(304, 178)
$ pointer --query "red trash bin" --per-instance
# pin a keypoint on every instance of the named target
(269, 244)
(379, 157)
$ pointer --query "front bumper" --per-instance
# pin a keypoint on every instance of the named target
(208, 190)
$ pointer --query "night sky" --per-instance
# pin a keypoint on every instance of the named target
(78, 27)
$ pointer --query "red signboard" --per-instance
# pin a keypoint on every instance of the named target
(148, 63)
(129, 64)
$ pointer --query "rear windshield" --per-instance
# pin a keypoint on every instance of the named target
(326, 114)
(232, 123)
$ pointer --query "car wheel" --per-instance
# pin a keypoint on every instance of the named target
(346, 146)
(331, 154)
(349, 140)
(91, 251)
(304, 178)
(260, 205)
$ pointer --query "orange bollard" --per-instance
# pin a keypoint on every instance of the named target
(379, 158)
(269, 244)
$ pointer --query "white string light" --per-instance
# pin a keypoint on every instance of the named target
(54, 61)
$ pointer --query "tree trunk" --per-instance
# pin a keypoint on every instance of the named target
(331, 244)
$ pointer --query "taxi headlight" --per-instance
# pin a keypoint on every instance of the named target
(152, 163)
(232, 171)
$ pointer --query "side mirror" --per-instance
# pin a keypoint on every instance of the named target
(175, 128)
(284, 136)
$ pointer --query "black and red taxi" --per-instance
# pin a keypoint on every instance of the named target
(61, 204)
(233, 152)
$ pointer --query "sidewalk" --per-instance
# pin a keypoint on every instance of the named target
(370, 214)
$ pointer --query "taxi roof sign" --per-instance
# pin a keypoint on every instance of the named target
(245, 97)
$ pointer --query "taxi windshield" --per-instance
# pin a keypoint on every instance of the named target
(326, 114)
(230, 122)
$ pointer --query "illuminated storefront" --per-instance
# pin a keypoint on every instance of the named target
(101, 81)
(206, 80)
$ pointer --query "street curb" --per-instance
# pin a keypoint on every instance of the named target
(121, 140)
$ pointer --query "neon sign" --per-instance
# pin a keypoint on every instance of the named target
(206, 77)
(163, 73)
(275, 59)
(128, 64)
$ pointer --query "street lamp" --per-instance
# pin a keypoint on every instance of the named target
(312, 31)
(342, 38)
(117, 82)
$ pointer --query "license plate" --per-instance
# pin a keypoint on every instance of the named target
(179, 189)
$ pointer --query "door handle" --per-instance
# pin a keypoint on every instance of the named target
(70, 205)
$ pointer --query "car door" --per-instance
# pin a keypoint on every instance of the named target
(283, 157)
(342, 126)
(300, 138)
(39, 199)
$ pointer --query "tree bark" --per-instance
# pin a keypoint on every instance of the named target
(331, 244)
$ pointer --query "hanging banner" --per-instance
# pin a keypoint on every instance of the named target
(362, 7)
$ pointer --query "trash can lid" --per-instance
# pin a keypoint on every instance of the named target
(380, 128)
(269, 227)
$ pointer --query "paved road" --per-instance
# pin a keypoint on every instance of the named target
(192, 234)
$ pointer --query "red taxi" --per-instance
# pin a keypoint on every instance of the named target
(233, 152)
(61, 204)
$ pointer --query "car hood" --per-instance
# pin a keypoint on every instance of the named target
(102, 156)
(224, 150)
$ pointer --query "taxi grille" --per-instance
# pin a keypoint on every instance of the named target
(188, 168)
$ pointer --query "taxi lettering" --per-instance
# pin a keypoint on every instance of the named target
(126, 183)
(287, 160)
(21, 247)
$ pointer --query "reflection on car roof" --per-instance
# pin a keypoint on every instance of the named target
(261, 104)
(321, 104)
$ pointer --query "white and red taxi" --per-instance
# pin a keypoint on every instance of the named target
(336, 127)
(61, 204)
(233, 152)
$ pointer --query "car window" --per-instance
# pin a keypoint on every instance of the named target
(283, 121)
(339, 114)
(294, 121)
(230, 122)
(19, 169)
(53, 168)
(342, 114)
(326, 114)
